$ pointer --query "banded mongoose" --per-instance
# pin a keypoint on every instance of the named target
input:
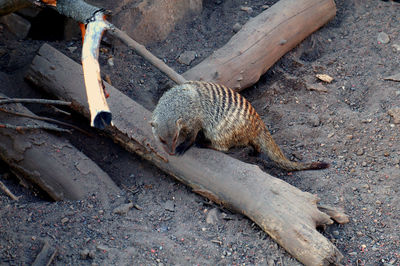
(224, 117)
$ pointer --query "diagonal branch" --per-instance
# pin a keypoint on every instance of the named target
(47, 119)
(27, 100)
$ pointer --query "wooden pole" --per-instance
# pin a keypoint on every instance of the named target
(287, 214)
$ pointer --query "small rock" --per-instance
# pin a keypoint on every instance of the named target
(265, 6)
(383, 38)
(110, 61)
(396, 47)
(237, 27)
(213, 216)
(313, 120)
(16, 24)
(123, 209)
(64, 220)
(169, 206)
(353, 253)
(360, 152)
(187, 57)
(102, 248)
(72, 48)
(92, 254)
(395, 114)
(335, 233)
(324, 77)
(84, 254)
(297, 155)
(248, 9)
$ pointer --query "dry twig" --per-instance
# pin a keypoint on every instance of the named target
(27, 127)
(41, 101)
(7, 191)
(47, 119)
(141, 50)
(46, 255)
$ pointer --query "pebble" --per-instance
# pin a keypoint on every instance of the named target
(212, 216)
(360, 152)
(313, 120)
(396, 47)
(123, 209)
(383, 37)
(237, 27)
(169, 206)
(110, 61)
(335, 233)
(395, 114)
(353, 253)
(187, 57)
(64, 220)
(102, 248)
(84, 254)
(72, 48)
(248, 9)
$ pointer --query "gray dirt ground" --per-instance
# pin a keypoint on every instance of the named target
(348, 126)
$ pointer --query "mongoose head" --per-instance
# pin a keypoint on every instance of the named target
(169, 133)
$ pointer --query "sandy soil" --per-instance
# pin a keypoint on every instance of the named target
(348, 125)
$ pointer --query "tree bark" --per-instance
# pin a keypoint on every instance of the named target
(262, 41)
(51, 162)
(287, 214)
(9, 6)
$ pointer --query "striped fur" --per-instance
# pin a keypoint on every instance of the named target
(224, 117)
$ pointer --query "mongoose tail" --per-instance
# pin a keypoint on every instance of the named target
(267, 145)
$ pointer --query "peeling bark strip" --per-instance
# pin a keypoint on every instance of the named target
(287, 214)
(262, 41)
(51, 162)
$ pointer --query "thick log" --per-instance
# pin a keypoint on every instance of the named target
(262, 41)
(51, 162)
(287, 214)
(9, 6)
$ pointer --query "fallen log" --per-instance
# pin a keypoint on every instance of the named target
(9, 6)
(287, 214)
(262, 41)
(51, 162)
